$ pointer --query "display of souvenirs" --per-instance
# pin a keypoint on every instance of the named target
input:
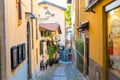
(114, 44)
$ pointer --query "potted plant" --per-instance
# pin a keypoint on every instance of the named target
(51, 54)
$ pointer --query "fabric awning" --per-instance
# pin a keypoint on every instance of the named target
(83, 26)
(51, 27)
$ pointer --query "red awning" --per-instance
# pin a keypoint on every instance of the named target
(50, 26)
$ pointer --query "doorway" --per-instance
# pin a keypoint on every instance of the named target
(113, 43)
(28, 50)
(87, 55)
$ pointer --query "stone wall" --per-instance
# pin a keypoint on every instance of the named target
(95, 70)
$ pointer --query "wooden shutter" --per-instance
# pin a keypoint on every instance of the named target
(19, 10)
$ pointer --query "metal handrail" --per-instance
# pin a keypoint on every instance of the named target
(80, 54)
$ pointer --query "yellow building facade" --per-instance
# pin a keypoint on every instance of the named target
(96, 19)
(22, 37)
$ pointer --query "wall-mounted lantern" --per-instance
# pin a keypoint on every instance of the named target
(47, 13)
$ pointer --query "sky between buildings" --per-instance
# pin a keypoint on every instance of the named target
(58, 2)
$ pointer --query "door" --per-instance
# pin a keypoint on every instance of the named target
(28, 49)
(87, 56)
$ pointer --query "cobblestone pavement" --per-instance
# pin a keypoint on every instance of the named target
(61, 72)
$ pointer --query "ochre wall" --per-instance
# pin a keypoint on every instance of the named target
(97, 26)
(95, 29)
(35, 50)
(75, 17)
(18, 35)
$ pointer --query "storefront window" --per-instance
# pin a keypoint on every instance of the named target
(114, 38)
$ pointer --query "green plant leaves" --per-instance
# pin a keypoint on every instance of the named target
(52, 50)
(80, 46)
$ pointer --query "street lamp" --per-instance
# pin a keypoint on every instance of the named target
(47, 14)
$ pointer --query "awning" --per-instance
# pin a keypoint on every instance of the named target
(51, 27)
(83, 26)
(31, 15)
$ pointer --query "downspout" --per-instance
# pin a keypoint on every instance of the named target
(6, 73)
(32, 24)
(79, 35)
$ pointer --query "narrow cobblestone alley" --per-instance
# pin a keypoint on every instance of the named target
(61, 71)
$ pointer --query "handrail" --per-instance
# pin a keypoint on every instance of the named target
(80, 54)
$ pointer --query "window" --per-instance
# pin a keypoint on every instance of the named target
(42, 33)
(41, 47)
(52, 15)
(113, 22)
(45, 33)
(19, 12)
(44, 8)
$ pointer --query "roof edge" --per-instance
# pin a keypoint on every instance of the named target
(47, 2)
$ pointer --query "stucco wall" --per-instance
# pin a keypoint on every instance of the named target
(35, 51)
(97, 48)
(18, 34)
(96, 29)
(21, 74)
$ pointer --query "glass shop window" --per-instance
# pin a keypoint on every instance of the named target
(113, 22)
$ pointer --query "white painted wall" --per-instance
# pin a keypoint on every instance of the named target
(59, 18)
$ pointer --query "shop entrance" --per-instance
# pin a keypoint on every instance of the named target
(28, 50)
(113, 40)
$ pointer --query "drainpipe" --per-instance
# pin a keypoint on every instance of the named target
(30, 62)
(6, 72)
(79, 35)
(32, 23)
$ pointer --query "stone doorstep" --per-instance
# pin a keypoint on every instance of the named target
(85, 78)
